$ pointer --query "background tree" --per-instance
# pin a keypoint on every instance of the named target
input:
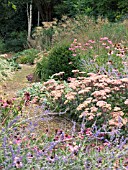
(113, 9)
(14, 19)
(46, 8)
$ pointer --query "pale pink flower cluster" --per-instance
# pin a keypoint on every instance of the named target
(126, 102)
(117, 119)
(56, 94)
(70, 95)
(92, 93)
(58, 74)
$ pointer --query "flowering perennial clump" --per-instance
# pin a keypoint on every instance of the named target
(103, 55)
(96, 97)
(22, 147)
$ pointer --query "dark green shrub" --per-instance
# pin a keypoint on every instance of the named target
(16, 41)
(41, 70)
(2, 46)
(60, 59)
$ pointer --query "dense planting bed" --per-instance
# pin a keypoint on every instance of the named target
(85, 83)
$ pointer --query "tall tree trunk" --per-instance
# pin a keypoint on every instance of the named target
(38, 23)
(45, 8)
(29, 16)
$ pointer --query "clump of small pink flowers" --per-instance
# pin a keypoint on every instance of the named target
(93, 97)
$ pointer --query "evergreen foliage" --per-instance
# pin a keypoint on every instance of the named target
(60, 59)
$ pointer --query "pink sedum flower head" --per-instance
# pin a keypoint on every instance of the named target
(101, 103)
(126, 102)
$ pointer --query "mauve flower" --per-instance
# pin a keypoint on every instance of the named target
(105, 38)
(29, 157)
(107, 47)
(87, 44)
(107, 90)
(71, 49)
(88, 132)
(110, 42)
(80, 107)
(82, 91)
(74, 148)
(117, 82)
(86, 102)
(91, 41)
(34, 100)
(117, 113)
(71, 79)
(75, 40)
(27, 96)
(70, 63)
(17, 162)
(5, 105)
(70, 96)
(51, 81)
(99, 113)
(99, 93)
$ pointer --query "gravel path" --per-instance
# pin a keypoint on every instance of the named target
(9, 88)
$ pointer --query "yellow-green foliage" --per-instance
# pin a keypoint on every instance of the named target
(5, 69)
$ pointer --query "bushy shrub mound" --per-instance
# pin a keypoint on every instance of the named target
(26, 57)
(60, 59)
(16, 41)
(2, 46)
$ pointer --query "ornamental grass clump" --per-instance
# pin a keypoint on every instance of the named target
(79, 28)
